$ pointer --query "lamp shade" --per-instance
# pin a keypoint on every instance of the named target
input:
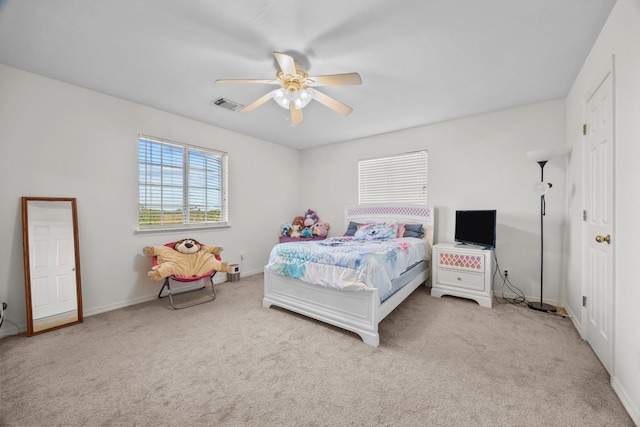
(542, 155)
(541, 188)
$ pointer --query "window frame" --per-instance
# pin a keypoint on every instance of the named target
(188, 170)
(387, 180)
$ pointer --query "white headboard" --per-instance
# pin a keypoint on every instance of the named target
(405, 213)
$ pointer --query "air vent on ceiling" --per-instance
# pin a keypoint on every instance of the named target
(226, 103)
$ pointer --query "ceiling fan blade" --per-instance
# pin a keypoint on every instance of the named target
(337, 80)
(334, 104)
(296, 115)
(287, 64)
(255, 104)
(267, 81)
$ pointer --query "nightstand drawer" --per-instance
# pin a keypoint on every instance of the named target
(461, 279)
(462, 261)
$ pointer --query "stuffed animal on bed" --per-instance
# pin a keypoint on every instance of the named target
(184, 258)
(298, 220)
(310, 218)
(284, 231)
(295, 231)
(320, 229)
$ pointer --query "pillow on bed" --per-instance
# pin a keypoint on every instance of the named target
(377, 231)
(352, 228)
(413, 230)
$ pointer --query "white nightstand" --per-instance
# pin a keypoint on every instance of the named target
(463, 271)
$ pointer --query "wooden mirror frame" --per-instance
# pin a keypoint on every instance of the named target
(70, 316)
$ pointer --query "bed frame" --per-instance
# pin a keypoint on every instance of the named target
(356, 311)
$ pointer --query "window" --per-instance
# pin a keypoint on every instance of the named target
(180, 185)
(396, 179)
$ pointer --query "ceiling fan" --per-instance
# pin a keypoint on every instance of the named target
(297, 89)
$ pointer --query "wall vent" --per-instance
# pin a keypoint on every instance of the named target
(226, 103)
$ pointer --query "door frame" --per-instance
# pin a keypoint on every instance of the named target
(607, 70)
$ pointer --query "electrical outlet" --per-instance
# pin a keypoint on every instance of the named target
(4, 305)
(241, 255)
(506, 272)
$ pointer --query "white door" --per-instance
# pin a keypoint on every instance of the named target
(53, 276)
(599, 231)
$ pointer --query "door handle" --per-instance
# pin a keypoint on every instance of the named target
(601, 239)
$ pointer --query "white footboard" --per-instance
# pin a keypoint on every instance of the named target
(355, 311)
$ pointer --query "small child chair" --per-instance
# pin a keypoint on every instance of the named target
(167, 285)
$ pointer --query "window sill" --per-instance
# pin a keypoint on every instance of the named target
(184, 227)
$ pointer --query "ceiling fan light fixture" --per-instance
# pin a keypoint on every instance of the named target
(303, 99)
(300, 98)
(296, 88)
(280, 96)
(291, 95)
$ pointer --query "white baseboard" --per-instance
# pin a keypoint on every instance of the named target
(627, 401)
(499, 294)
(9, 329)
(117, 305)
(576, 319)
(217, 280)
(251, 273)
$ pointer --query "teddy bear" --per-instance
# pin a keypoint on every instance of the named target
(295, 230)
(298, 220)
(184, 258)
(320, 229)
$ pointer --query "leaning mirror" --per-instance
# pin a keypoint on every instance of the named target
(51, 263)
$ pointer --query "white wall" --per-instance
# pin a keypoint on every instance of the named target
(51, 131)
(61, 140)
(622, 27)
(474, 163)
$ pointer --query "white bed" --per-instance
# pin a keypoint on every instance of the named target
(359, 311)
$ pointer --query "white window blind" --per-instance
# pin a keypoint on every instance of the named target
(396, 179)
(180, 184)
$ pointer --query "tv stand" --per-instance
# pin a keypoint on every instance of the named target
(463, 271)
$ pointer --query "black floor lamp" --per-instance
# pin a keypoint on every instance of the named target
(541, 189)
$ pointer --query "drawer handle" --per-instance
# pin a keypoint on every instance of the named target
(459, 279)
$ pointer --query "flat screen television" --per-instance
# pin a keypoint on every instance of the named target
(476, 227)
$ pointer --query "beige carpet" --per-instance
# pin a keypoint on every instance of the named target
(441, 362)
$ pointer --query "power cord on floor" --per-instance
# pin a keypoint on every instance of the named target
(520, 299)
(15, 326)
(3, 306)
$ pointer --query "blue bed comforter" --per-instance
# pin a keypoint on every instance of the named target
(348, 264)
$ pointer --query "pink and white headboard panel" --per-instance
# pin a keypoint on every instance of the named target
(393, 212)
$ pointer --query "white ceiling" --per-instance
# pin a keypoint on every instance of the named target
(421, 61)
